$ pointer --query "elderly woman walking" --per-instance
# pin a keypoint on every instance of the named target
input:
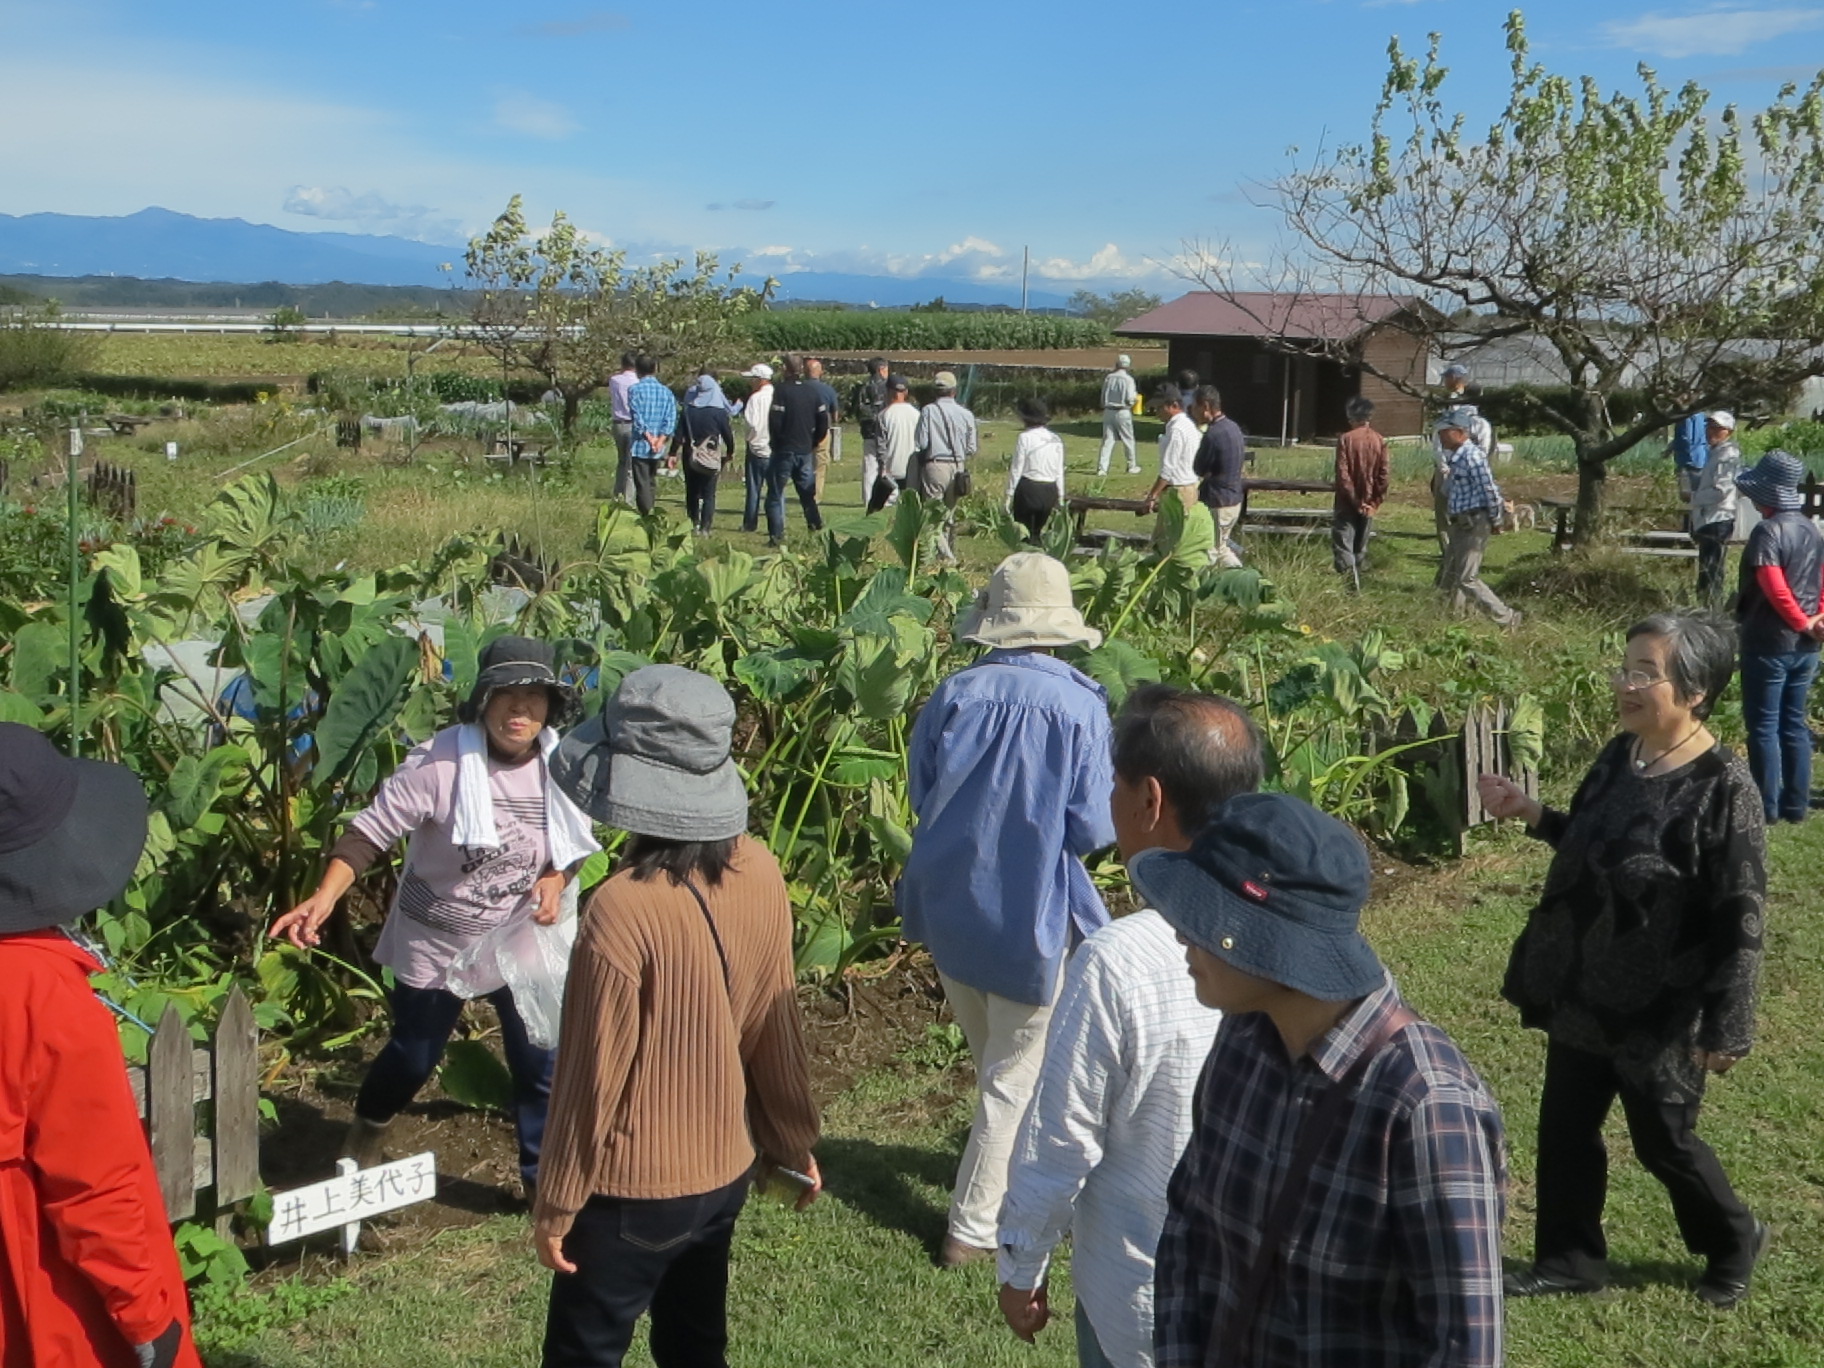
(491, 840)
(1641, 960)
(1777, 613)
(682, 1051)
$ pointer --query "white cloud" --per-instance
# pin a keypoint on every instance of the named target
(372, 212)
(1108, 262)
(755, 206)
(596, 21)
(1714, 32)
(518, 112)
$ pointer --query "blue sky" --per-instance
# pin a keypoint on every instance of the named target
(929, 139)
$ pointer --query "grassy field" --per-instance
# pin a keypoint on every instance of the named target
(851, 1282)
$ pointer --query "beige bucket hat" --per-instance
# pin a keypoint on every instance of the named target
(1027, 603)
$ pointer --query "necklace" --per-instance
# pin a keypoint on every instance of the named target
(1640, 764)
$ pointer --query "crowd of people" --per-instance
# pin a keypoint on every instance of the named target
(1263, 1155)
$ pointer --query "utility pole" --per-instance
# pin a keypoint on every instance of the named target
(1025, 265)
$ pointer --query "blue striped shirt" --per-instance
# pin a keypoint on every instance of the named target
(1394, 1259)
(1472, 484)
(654, 409)
(1010, 773)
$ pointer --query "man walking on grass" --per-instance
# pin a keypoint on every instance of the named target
(831, 445)
(898, 427)
(1112, 1110)
(867, 401)
(1361, 486)
(1177, 452)
(757, 421)
(622, 417)
(655, 418)
(1456, 400)
(1476, 511)
(945, 441)
(1220, 458)
(1118, 396)
(1341, 1198)
(800, 420)
(1009, 774)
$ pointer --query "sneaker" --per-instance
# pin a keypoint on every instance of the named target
(1133, 470)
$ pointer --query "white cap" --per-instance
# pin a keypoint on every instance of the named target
(759, 370)
(1123, 361)
(1723, 419)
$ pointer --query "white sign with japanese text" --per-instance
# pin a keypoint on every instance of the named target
(352, 1197)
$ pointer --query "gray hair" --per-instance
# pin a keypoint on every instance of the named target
(1358, 409)
(1202, 748)
(1700, 654)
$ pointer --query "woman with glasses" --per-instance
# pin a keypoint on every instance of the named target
(1641, 960)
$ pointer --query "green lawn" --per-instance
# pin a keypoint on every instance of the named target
(851, 1282)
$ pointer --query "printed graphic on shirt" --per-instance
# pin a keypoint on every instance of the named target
(495, 880)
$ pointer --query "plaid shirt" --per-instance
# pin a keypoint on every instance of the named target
(1472, 485)
(1395, 1257)
(654, 409)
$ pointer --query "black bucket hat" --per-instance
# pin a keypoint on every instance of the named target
(514, 661)
(71, 832)
(1275, 888)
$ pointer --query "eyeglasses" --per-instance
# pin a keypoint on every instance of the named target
(1635, 680)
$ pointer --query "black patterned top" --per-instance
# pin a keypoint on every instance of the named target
(1646, 942)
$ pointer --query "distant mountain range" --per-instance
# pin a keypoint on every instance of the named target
(159, 244)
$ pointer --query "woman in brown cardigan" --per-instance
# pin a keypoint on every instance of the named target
(681, 1058)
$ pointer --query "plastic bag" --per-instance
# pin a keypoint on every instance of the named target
(530, 960)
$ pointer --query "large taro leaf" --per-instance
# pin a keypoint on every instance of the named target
(776, 674)
(364, 705)
(726, 577)
(250, 515)
(1120, 668)
(196, 782)
(473, 1075)
(41, 650)
(15, 707)
(912, 518)
(885, 598)
(872, 671)
(1526, 733)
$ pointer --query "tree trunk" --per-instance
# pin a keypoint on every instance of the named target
(573, 401)
(1592, 498)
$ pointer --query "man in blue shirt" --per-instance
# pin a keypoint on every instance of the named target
(655, 418)
(1011, 772)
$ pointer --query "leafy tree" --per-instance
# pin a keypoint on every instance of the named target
(1114, 309)
(561, 306)
(1646, 244)
(286, 324)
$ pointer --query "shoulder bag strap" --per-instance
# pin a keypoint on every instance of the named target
(728, 983)
(1227, 1342)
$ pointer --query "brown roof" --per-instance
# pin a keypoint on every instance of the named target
(1324, 317)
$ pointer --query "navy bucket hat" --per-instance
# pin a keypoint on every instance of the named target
(1275, 888)
(1773, 481)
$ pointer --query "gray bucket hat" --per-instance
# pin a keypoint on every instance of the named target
(71, 832)
(655, 761)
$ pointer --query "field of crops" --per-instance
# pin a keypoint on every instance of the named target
(881, 330)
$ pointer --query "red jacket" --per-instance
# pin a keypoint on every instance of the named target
(87, 1267)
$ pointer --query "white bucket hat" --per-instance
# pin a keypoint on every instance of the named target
(1027, 603)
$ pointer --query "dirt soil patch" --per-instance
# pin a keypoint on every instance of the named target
(864, 1023)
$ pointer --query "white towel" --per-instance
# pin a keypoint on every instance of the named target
(567, 830)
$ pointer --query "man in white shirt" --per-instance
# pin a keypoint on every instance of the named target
(1118, 395)
(1112, 1111)
(756, 417)
(898, 427)
(1177, 452)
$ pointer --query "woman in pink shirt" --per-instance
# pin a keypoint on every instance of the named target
(490, 840)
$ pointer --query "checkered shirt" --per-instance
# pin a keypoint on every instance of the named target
(1472, 484)
(654, 409)
(1394, 1260)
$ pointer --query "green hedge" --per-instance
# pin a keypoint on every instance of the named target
(168, 387)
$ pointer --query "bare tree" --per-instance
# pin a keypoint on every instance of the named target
(567, 309)
(1647, 246)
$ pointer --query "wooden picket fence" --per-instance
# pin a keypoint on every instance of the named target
(1475, 746)
(170, 1089)
(115, 490)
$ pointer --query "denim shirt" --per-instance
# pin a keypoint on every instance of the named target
(1011, 769)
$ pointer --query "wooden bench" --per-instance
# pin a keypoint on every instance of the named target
(124, 424)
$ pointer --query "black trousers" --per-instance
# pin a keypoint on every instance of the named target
(1574, 1172)
(1033, 501)
(1712, 558)
(669, 1255)
(700, 496)
(644, 473)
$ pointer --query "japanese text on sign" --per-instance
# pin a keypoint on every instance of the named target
(352, 1197)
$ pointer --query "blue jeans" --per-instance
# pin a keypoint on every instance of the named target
(1774, 692)
(1089, 1348)
(800, 469)
(422, 1021)
(756, 490)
